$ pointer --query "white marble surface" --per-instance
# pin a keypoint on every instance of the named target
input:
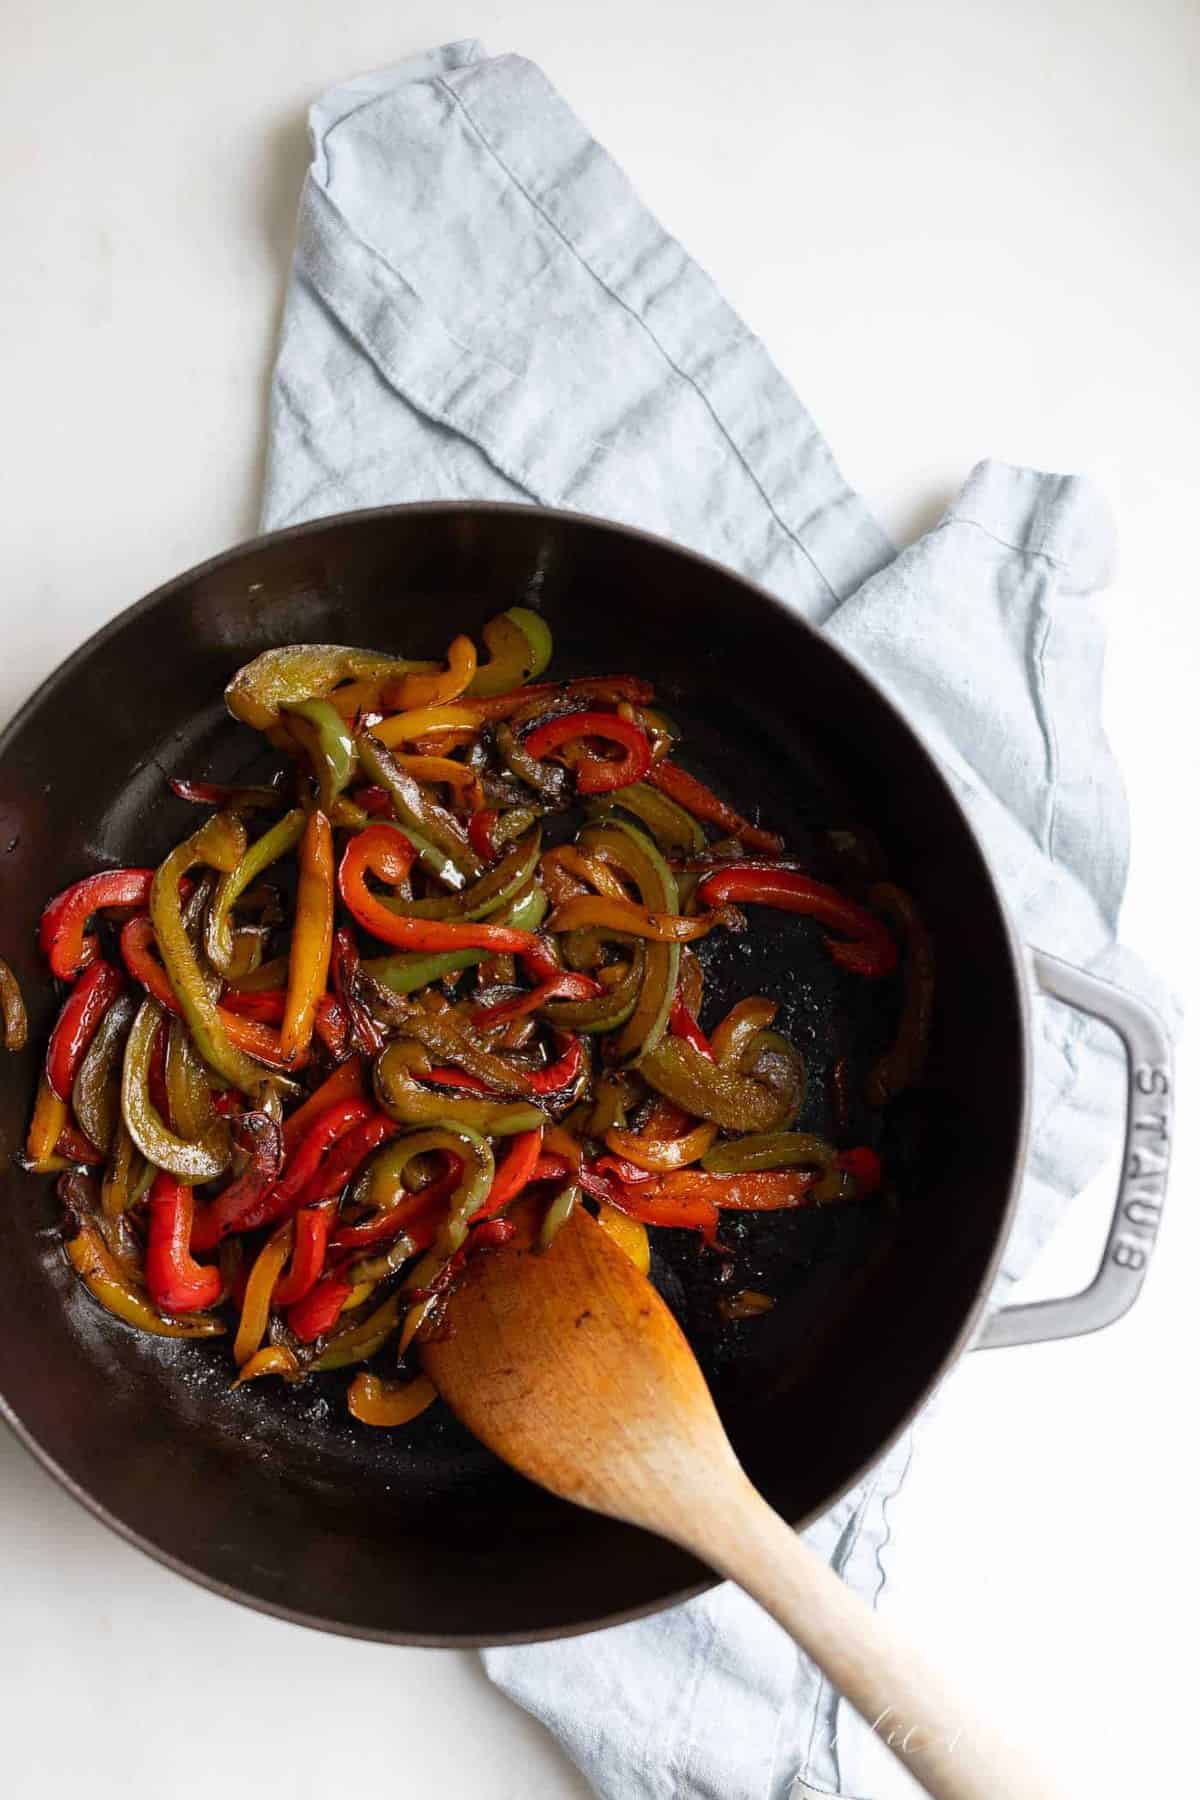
(1002, 195)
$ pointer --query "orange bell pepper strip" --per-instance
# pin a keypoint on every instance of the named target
(256, 1307)
(444, 771)
(45, 1129)
(628, 918)
(702, 803)
(374, 1401)
(312, 937)
(346, 1083)
(439, 688)
(659, 1148)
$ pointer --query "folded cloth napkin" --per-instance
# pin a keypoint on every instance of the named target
(480, 307)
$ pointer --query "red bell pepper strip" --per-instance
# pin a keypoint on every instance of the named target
(418, 1216)
(346, 1083)
(137, 940)
(682, 1022)
(311, 1241)
(367, 1033)
(259, 1135)
(480, 827)
(376, 802)
(82, 1012)
(455, 1078)
(175, 1281)
(623, 1169)
(318, 1311)
(596, 775)
(228, 1103)
(639, 1201)
(222, 793)
(61, 932)
(332, 1026)
(514, 1174)
(551, 1167)
(265, 1005)
(385, 852)
(563, 1072)
(565, 985)
(702, 803)
(489, 1234)
(302, 1165)
(608, 688)
(76, 1148)
(867, 948)
(342, 1162)
(864, 1165)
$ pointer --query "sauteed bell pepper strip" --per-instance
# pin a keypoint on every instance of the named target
(494, 889)
(682, 1212)
(358, 1340)
(279, 1201)
(320, 1308)
(866, 949)
(702, 803)
(260, 1138)
(452, 859)
(260, 1288)
(401, 1095)
(279, 840)
(329, 745)
(563, 986)
(45, 1128)
(628, 1232)
(116, 1190)
(771, 1150)
(346, 1083)
(683, 1025)
(312, 937)
(373, 1401)
(78, 1022)
(175, 1281)
(275, 1359)
(672, 827)
(75, 1147)
(407, 972)
(657, 1151)
(519, 647)
(12, 1006)
(612, 1007)
(385, 852)
(61, 932)
(741, 1028)
(424, 722)
(224, 796)
(364, 1031)
(443, 771)
(439, 687)
(137, 939)
(765, 1100)
(203, 1160)
(395, 1211)
(339, 1166)
(596, 775)
(108, 1283)
(901, 1066)
(298, 672)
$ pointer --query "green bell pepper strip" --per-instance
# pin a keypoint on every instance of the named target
(608, 1011)
(193, 1114)
(672, 827)
(297, 672)
(400, 1094)
(519, 647)
(220, 842)
(362, 1338)
(190, 1162)
(770, 1150)
(408, 970)
(95, 1094)
(635, 855)
(764, 1101)
(487, 895)
(279, 840)
(546, 779)
(329, 743)
(557, 1214)
(412, 807)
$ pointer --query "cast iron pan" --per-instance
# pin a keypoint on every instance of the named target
(276, 1496)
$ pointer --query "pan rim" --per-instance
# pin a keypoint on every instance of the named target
(45, 691)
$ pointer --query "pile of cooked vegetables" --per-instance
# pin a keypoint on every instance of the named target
(306, 1065)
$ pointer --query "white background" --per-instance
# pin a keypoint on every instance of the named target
(963, 230)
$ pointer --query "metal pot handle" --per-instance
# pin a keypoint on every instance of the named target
(1143, 1182)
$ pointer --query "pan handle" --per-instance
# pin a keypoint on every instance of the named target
(1143, 1182)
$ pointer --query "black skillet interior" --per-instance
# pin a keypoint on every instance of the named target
(277, 1495)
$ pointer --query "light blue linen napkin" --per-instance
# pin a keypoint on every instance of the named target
(480, 307)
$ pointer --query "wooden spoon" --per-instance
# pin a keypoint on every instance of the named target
(569, 1365)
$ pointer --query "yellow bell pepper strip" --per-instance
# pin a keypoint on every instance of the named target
(191, 1162)
(95, 1095)
(45, 1128)
(190, 1105)
(256, 1306)
(312, 937)
(373, 1401)
(867, 948)
(557, 1213)
(274, 1359)
(592, 870)
(702, 803)
(385, 852)
(329, 745)
(490, 894)
(77, 1023)
(638, 859)
(900, 1067)
(457, 862)
(443, 771)
(626, 918)
(629, 1233)
(404, 1099)
(423, 722)
(672, 827)
(656, 1148)
(519, 647)
(108, 1282)
(296, 672)
(740, 1029)
(116, 1190)
(62, 932)
(175, 1281)
(764, 1100)
(595, 774)
(279, 840)
(12, 1003)
(771, 1150)
(439, 688)
(221, 842)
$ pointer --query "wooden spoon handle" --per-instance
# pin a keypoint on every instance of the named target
(942, 1744)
